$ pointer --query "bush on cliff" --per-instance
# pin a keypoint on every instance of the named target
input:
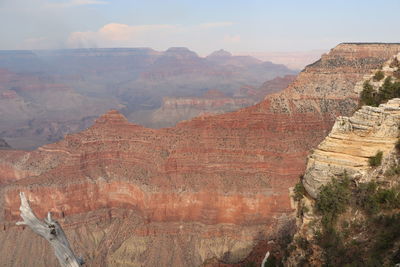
(369, 96)
(366, 197)
(333, 199)
(379, 75)
(299, 191)
(368, 240)
(376, 160)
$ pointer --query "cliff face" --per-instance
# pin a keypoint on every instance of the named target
(353, 140)
(351, 143)
(212, 187)
(347, 213)
(348, 203)
(176, 109)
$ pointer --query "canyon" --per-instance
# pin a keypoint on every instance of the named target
(213, 187)
(176, 109)
(46, 94)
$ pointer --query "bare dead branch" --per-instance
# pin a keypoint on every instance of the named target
(51, 231)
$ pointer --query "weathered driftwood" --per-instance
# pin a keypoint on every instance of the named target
(51, 231)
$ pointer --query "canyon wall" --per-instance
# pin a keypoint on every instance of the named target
(211, 187)
(176, 109)
(49, 93)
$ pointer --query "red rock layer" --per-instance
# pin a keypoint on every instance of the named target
(233, 169)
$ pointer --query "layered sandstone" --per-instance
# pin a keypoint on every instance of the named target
(176, 109)
(212, 187)
(352, 141)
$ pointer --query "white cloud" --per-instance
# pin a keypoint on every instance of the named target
(74, 3)
(216, 24)
(121, 34)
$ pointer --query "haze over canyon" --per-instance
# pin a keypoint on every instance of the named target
(46, 94)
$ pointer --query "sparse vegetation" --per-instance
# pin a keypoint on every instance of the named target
(376, 160)
(380, 223)
(392, 171)
(379, 75)
(366, 197)
(333, 200)
(369, 96)
(299, 191)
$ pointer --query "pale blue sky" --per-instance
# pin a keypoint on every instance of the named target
(203, 26)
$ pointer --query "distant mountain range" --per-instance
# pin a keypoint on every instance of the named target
(46, 94)
(294, 60)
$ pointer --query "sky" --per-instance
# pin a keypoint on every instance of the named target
(201, 25)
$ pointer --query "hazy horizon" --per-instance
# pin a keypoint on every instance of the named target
(240, 27)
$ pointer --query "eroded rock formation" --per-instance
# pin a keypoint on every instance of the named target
(352, 141)
(176, 109)
(212, 187)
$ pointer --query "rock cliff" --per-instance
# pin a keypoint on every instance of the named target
(352, 141)
(350, 203)
(347, 211)
(211, 187)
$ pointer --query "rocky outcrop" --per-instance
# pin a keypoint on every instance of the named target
(341, 203)
(358, 228)
(352, 141)
(211, 187)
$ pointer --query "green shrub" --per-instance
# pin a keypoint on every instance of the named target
(333, 199)
(379, 75)
(376, 160)
(299, 191)
(392, 171)
(388, 198)
(366, 198)
(368, 95)
(388, 235)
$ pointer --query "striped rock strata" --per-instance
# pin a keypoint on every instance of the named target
(212, 187)
(352, 141)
